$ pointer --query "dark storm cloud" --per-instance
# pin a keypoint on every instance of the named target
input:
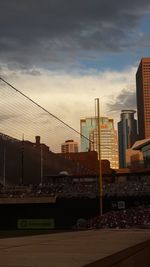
(40, 31)
(125, 100)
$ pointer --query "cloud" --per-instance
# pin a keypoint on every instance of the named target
(71, 96)
(33, 72)
(125, 100)
(57, 31)
(7, 117)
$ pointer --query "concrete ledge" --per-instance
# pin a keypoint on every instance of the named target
(27, 200)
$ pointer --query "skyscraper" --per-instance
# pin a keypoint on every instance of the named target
(127, 134)
(70, 146)
(143, 98)
(109, 144)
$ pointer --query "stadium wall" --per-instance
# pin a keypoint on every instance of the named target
(64, 212)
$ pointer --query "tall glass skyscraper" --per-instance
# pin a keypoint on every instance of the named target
(127, 134)
(108, 141)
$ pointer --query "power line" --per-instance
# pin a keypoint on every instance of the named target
(45, 110)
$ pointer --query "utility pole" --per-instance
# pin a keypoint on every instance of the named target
(99, 156)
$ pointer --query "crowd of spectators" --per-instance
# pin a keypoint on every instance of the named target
(129, 188)
(138, 217)
(78, 189)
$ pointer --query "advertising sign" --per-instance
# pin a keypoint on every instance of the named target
(35, 224)
(121, 205)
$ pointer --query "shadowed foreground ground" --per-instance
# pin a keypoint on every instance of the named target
(70, 249)
(21, 233)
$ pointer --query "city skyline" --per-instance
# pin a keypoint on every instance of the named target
(65, 56)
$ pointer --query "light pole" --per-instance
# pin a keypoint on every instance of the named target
(22, 161)
(41, 156)
(4, 163)
(99, 154)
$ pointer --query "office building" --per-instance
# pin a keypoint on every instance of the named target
(134, 158)
(143, 98)
(108, 138)
(86, 126)
(127, 134)
(70, 146)
(144, 147)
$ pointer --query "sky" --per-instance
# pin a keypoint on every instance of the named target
(64, 53)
